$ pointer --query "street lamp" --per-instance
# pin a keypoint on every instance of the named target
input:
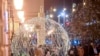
(63, 14)
(18, 4)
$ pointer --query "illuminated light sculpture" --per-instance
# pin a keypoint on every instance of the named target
(23, 39)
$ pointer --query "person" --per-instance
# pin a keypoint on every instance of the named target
(91, 51)
(98, 49)
(72, 51)
(80, 50)
(31, 52)
(11, 54)
(39, 51)
(86, 49)
(95, 50)
(54, 52)
(61, 52)
(46, 50)
(48, 53)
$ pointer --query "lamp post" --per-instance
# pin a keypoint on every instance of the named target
(63, 15)
(58, 19)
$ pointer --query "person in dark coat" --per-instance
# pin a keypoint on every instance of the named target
(73, 51)
(31, 52)
(86, 50)
(91, 51)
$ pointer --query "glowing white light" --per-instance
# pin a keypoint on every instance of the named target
(84, 3)
(51, 15)
(21, 16)
(73, 10)
(50, 31)
(74, 5)
(67, 16)
(22, 21)
(26, 27)
(31, 28)
(18, 4)
(63, 14)
(54, 9)
(64, 9)
(29, 35)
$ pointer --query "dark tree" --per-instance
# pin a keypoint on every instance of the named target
(85, 21)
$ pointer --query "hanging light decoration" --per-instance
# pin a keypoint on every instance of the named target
(54, 9)
(51, 15)
(21, 16)
(84, 3)
(64, 9)
(18, 4)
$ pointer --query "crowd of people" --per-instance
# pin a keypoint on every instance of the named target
(82, 49)
(47, 51)
(91, 49)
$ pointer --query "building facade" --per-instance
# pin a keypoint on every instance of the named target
(9, 21)
(4, 33)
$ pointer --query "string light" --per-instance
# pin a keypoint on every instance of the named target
(84, 3)
(51, 15)
(54, 9)
(73, 10)
(64, 9)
